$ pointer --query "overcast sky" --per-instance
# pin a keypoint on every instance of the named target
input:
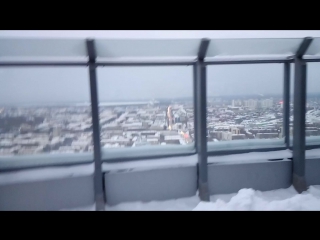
(124, 83)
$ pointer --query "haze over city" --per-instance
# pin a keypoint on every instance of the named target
(43, 84)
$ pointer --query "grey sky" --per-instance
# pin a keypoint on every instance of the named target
(118, 83)
(122, 83)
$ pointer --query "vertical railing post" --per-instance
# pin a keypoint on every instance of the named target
(286, 104)
(300, 67)
(201, 100)
(98, 178)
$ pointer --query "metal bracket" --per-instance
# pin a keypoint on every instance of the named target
(203, 49)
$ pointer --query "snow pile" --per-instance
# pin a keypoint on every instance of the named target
(245, 199)
(248, 199)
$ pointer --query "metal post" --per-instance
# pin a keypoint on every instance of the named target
(98, 178)
(286, 104)
(201, 100)
(298, 180)
(202, 131)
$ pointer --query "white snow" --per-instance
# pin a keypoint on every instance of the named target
(281, 199)
(245, 199)
(143, 165)
(252, 156)
(313, 153)
(173, 205)
(192, 161)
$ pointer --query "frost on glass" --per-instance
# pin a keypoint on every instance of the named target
(41, 111)
(245, 102)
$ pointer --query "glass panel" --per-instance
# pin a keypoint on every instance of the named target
(41, 110)
(253, 47)
(146, 106)
(35, 48)
(245, 102)
(312, 128)
(119, 48)
(313, 104)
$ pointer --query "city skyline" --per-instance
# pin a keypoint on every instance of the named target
(68, 129)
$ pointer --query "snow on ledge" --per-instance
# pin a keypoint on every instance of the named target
(31, 175)
(251, 157)
(313, 153)
(143, 165)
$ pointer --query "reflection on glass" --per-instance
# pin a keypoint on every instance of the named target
(244, 102)
(42, 112)
(141, 106)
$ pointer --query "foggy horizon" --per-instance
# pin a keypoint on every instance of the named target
(69, 103)
(71, 84)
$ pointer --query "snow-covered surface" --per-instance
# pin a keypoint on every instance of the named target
(43, 160)
(252, 156)
(192, 161)
(245, 199)
(46, 174)
(313, 153)
(176, 204)
(151, 164)
(281, 199)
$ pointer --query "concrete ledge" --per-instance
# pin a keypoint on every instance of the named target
(312, 171)
(52, 194)
(150, 185)
(261, 175)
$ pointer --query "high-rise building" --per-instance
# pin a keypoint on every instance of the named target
(251, 104)
(236, 103)
(267, 103)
